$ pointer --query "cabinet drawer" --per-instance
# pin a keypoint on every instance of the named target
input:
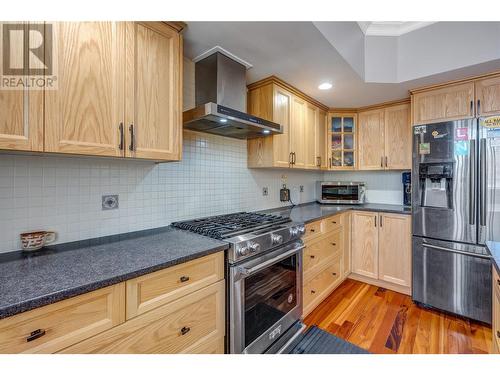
(318, 288)
(186, 325)
(158, 288)
(321, 251)
(59, 325)
(312, 230)
(332, 223)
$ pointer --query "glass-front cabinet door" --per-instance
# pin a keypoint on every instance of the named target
(342, 140)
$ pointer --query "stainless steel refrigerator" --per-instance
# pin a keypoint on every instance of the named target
(455, 209)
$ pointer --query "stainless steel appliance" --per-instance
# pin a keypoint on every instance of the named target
(264, 276)
(339, 192)
(221, 92)
(406, 179)
(456, 187)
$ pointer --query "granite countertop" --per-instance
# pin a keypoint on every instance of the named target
(494, 249)
(313, 211)
(63, 271)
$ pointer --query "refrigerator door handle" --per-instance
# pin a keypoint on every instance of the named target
(456, 251)
(482, 182)
(472, 183)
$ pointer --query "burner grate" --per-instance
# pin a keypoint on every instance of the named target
(224, 226)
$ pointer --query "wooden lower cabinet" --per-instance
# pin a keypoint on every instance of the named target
(327, 247)
(186, 325)
(381, 249)
(495, 322)
(61, 324)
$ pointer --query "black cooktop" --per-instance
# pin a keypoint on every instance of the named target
(225, 226)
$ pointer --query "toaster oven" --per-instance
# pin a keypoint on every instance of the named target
(339, 192)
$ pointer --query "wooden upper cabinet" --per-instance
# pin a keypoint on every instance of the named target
(298, 143)
(488, 96)
(21, 122)
(83, 115)
(310, 136)
(364, 243)
(153, 109)
(447, 103)
(394, 262)
(371, 139)
(398, 137)
(321, 140)
(281, 114)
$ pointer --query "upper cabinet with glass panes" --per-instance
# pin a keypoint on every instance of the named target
(342, 141)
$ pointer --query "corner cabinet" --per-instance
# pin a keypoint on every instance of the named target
(302, 144)
(381, 249)
(385, 138)
(342, 129)
(118, 94)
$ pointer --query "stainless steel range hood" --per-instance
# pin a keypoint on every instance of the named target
(220, 87)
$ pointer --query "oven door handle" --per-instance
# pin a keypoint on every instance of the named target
(245, 272)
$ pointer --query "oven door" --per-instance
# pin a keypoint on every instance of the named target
(265, 298)
(337, 193)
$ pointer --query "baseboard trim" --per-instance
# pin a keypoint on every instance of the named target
(380, 283)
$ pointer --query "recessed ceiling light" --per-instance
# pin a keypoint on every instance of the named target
(325, 86)
(266, 131)
(223, 120)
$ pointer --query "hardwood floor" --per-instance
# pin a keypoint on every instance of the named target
(383, 321)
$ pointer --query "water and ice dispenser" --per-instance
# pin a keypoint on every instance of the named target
(436, 181)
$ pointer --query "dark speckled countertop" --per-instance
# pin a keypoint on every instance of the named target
(494, 249)
(309, 212)
(63, 271)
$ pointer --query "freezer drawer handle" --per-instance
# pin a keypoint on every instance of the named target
(456, 251)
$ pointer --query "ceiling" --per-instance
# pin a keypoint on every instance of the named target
(364, 69)
(390, 28)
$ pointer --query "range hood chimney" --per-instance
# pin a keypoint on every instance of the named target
(221, 95)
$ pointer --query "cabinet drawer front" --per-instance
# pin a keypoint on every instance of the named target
(155, 289)
(312, 230)
(332, 223)
(318, 288)
(320, 252)
(59, 325)
(183, 326)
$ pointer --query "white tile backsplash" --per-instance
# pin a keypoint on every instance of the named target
(64, 193)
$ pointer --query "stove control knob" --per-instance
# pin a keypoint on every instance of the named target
(294, 232)
(244, 250)
(254, 247)
(276, 239)
(302, 230)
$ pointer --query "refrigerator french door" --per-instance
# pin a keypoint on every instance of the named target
(455, 199)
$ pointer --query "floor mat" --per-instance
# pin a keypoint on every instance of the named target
(317, 341)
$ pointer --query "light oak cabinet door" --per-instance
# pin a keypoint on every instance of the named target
(371, 139)
(394, 262)
(346, 269)
(298, 143)
(83, 115)
(365, 244)
(310, 135)
(488, 96)
(153, 109)
(321, 141)
(21, 121)
(398, 137)
(448, 103)
(282, 106)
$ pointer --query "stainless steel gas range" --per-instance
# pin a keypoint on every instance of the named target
(264, 274)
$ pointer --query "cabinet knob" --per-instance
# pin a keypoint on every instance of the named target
(313, 230)
(35, 335)
(313, 291)
(185, 330)
(498, 334)
(334, 222)
(312, 256)
(334, 244)
(498, 282)
(183, 279)
(334, 273)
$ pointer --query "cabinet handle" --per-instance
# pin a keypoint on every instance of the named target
(380, 221)
(313, 291)
(498, 282)
(382, 162)
(330, 162)
(386, 161)
(290, 158)
(120, 127)
(498, 334)
(318, 161)
(312, 256)
(35, 335)
(334, 222)
(183, 279)
(313, 230)
(185, 330)
(294, 158)
(478, 107)
(375, 221)
(132, 137)
(472, 108)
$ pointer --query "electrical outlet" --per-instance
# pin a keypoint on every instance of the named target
(265, 192)
(110, 202)
(301, 188)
